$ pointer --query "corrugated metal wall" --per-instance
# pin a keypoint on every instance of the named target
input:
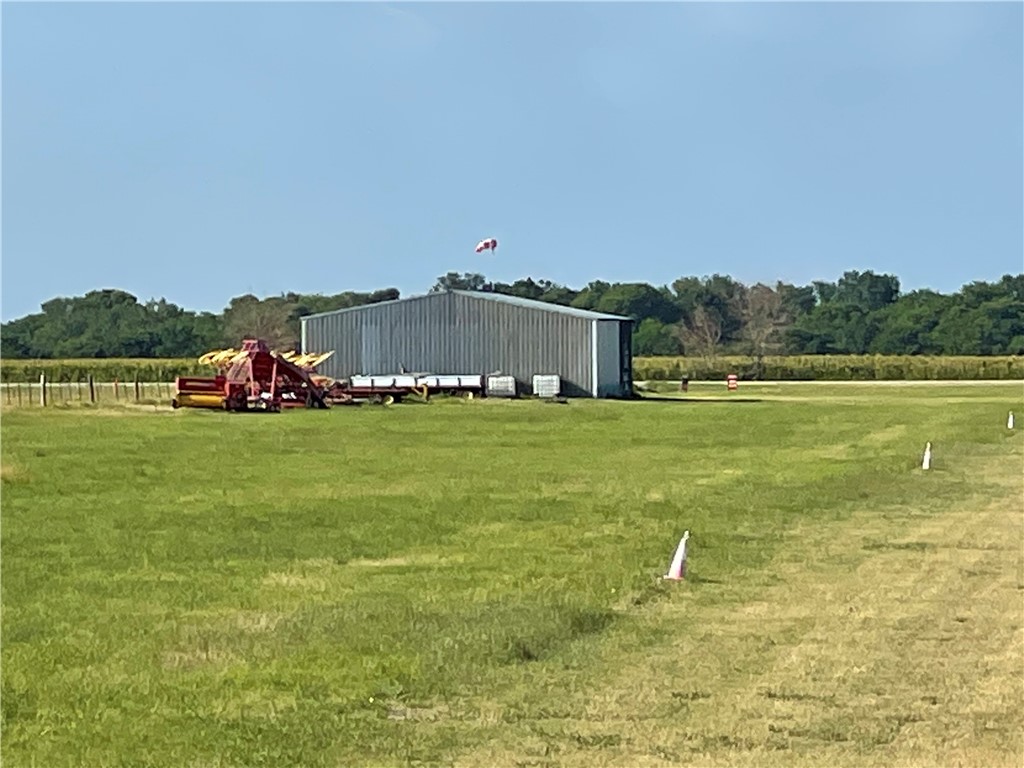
(455, 333)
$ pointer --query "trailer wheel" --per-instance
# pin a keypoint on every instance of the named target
(174, 403)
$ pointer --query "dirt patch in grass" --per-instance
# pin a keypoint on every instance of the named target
(13, 473)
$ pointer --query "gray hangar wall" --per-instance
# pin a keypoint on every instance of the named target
(466, 332)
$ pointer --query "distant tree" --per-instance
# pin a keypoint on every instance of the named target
(538, 290)
(720, 295)
(861, 312)
(833, 328)
(524, 289)
(764, 319)
(104, 323)
(653, 337)
(847, 316)
(248, 317)
(208, 330)
(796, 300)
(991, 328)
(455, 281)
(591, 294)
(824, 291)
(906, 327)
(386, 294)
(725, 297)
(559, 294)
(18, 338)
(702, 333)
(688, 293)
(638, 301)
(867, 290)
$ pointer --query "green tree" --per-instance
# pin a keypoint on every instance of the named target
(639, 301)
(653, 337)
(833, 328)
(992, 328)
(104, 323)
(867, 290)
(20, 338)
(591, 294)
(906, 326)
(719, 295)
(796, 300)
(455, 281)
(248, 317)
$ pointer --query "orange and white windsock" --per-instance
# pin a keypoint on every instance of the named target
(488, 244)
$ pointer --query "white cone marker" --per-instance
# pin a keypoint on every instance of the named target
(677, 570)
(1009, 421)
(926, 463)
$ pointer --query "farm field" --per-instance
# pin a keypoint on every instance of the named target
(478, 583)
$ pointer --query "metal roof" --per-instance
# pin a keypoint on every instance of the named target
(501, 298)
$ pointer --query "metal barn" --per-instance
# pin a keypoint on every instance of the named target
(468, 332)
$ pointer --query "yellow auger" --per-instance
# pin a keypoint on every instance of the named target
(308, 360)
(223, 357)
(220, 357)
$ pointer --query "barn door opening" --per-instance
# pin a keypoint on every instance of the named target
(626, 359)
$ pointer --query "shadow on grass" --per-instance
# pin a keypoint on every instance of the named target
(546, 638)
(696, 578)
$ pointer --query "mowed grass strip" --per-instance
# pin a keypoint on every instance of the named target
(479, 583)
(890, 638)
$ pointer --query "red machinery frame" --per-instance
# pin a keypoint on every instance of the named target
(254, 379)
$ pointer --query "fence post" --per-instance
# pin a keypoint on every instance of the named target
(42, 389)
(19, 394)
(136, 387)
(92, 390)
(117, 392)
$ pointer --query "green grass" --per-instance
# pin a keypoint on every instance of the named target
(479, 582)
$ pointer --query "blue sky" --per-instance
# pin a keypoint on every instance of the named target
(197, 151)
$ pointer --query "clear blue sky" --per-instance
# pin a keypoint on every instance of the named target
(197, 151)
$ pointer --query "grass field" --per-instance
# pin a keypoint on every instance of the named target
(478, 583)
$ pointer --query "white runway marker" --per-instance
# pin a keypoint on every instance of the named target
(677, 570)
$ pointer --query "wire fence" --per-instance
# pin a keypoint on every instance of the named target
(65, 393)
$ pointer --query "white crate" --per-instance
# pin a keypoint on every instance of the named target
(547, 385)
(501, 386)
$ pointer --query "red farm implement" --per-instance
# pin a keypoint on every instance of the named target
(254, 378)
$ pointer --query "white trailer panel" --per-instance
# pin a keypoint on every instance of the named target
(452, 382)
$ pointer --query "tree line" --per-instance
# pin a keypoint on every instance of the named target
(860, 313)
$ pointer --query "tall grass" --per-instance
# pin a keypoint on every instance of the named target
(776, 368)
(102, 369)
(832, 368)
